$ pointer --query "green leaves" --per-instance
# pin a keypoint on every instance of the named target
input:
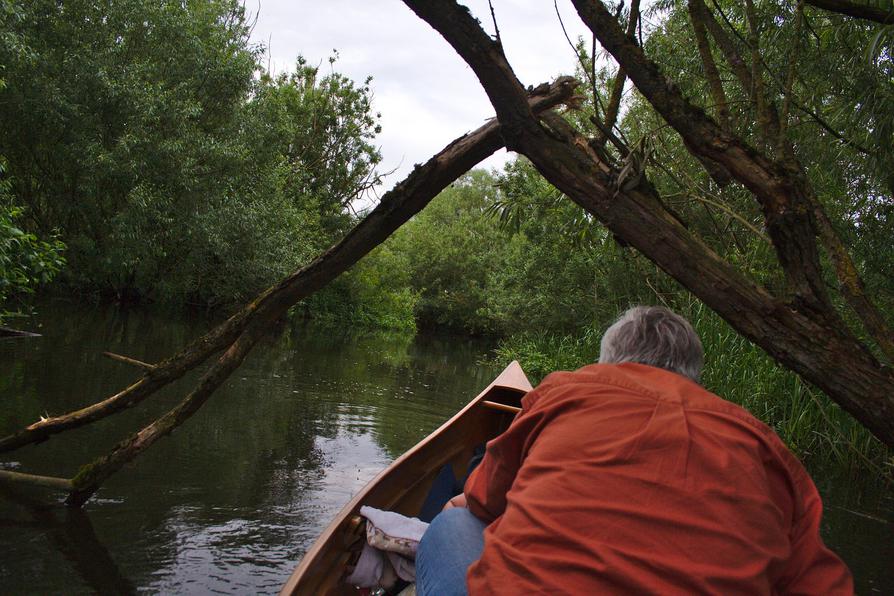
(26, 261)
(174, 168)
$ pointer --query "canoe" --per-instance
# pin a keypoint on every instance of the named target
(404, 485)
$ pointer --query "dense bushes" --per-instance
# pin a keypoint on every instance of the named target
(26, 261)
(172, 166)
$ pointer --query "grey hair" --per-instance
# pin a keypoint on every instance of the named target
(655, 336)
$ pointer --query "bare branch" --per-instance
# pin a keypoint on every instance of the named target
(614, 100)
(493, 16)
(880, 12)
(697, 17)
(10, 477)
(395, 208)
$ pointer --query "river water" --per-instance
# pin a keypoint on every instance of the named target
(231, 500)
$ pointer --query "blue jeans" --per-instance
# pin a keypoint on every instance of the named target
(453, 541)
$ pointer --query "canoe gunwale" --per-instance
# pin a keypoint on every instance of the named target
(511, 384)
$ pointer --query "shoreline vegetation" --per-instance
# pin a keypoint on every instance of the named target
(125, 178)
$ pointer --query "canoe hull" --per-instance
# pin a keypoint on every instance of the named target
(403, 486)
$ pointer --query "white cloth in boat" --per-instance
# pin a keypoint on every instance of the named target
(391, 542)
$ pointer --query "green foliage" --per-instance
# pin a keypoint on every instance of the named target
(840, 122)
(498, 254)
(375, 293)
(173, 170)
(26, 261)
(453, 249)
(321, 128)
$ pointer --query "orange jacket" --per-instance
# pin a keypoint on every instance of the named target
(623, 479)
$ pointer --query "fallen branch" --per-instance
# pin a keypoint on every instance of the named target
(395, 208)
(10, 477)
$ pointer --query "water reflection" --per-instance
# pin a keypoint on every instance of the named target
(231, 500)
(70, 533)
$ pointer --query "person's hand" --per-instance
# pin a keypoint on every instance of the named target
(457, 501)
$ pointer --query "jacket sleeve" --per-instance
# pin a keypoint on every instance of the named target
(488, 484)
(813, 568)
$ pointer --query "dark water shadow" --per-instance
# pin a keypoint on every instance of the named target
(71, 532)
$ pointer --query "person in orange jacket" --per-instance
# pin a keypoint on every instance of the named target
(628, 477)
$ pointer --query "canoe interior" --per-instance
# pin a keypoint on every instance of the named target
(403, 486)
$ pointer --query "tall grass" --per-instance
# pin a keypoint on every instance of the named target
(814, 427)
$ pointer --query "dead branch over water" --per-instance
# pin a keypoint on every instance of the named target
(236, 337)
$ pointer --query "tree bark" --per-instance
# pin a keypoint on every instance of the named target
(881, 11)
(617, 92)
(804, 335)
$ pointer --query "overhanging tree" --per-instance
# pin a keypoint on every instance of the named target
(799, 323)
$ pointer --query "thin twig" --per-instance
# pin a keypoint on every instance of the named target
(828, 128)
(129, 360)
(732, 214)
(597, 100)
(494, 17)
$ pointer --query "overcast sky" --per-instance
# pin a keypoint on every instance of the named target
(426, 94)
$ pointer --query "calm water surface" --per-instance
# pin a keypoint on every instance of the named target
(233, 498)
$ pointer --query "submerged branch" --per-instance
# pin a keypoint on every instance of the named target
(9, 477)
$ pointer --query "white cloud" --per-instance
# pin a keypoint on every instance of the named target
(425, 92)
